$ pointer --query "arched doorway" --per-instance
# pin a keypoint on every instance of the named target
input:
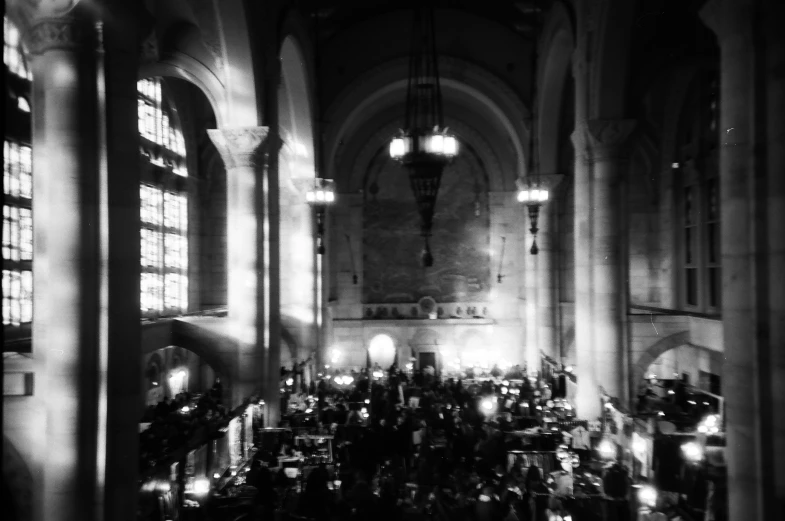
(171, 370)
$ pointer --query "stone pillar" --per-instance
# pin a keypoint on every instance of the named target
(607, 138)
(531, 315)
(752, 193)
(121, 332)
(272, 255)
(774, 194)
(587, 401)
(547, 268)
(86, 269)
(245, 241)
(66, 257)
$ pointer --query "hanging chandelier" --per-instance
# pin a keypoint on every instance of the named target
(320, 197)
(533, 190)
(533, 193)
(424, 146)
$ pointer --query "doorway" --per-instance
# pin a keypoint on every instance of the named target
(428, 359)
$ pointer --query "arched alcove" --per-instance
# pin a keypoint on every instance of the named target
(170, 370)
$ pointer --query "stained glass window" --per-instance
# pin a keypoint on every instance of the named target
(699, 203)
(17, 185)
(13, 51)
(163, 205)
(162, 140)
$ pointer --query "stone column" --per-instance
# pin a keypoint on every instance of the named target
(119, 188)
(588, 402)
(752, 193)
(245, 241)
(86, 272)
(774, 194)
(606, 139)
(547, 302)
(65, 261)
(530, 310)
(272, 255)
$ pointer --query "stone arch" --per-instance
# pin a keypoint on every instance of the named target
(387, 82)
(651, 353)
(17, 484)
(182, 66)
(199, 341)
(554, 68)
(609, 86)
(425, 337)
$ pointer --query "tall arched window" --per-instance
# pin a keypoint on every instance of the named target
(164, 204)
(697, 197)
(17, 184)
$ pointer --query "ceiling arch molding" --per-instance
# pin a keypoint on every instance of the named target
(365, 95)
(553, 73)
(181, 66)
(609, 82)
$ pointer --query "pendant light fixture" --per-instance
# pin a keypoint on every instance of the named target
(424, 146)
(533, 189)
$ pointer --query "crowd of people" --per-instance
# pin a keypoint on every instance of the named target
(420, 448)
(172, 423)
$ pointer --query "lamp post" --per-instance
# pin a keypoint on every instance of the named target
(424, 146)
(320, 197)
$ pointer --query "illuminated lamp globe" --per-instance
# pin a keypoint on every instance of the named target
(647, 496)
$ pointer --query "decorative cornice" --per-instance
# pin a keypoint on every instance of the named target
(239, 147)
(58, 33)
(607, 137)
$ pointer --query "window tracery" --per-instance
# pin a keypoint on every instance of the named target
(17, 186)
(164, 205)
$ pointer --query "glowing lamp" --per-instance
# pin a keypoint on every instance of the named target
(186, 409)
(607, 449)
(397, 148)
(289, 381)
(647, 496)
(216, 475)
(202, 486)
(692, 451)
(487, 405)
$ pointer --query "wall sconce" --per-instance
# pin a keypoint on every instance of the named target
(320, 197)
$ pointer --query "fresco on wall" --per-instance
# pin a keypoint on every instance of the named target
(392, 242)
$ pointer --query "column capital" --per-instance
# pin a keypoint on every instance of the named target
(607, 137)
(66, 32)
(238, 146)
